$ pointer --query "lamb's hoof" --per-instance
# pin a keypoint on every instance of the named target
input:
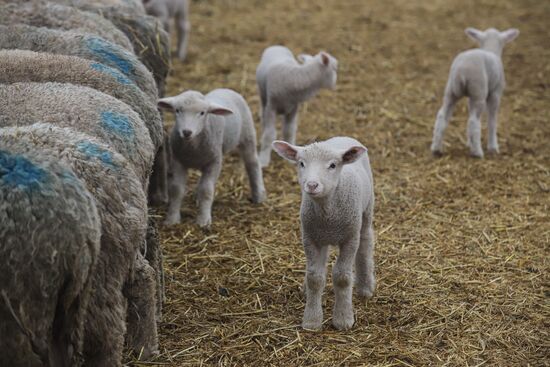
(169, 221)
(437, 153)
(365, 293)
(476, 154)
(259, 197)
(343, 321)
(313, 325)
(204, 222)
(492, 151)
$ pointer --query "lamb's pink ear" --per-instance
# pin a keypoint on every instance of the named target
(219, 110)
(285, 150)
(167, 103)
(475, 34)
(325, 58)
(509, 35)
(353, 154)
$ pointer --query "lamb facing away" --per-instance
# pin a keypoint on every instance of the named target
(178, 9)
(283, 84)
(84, 109)
(479, 75)
(28, 66)
(40, 13)
(24, 37)
(122, 208)
(206, 128)
(50, 237)
(337, 210)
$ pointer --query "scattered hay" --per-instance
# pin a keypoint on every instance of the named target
(462, 244)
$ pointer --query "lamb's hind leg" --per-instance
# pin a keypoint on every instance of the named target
(290, 125)
(342, 278)
(364, 261)
(176, 191)
(183, 27)
(476, 107)
(253, 170)
(269, 134)
(493, 103)
(205, 192)
(442, 121)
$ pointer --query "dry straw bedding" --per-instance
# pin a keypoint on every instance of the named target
(462, 244)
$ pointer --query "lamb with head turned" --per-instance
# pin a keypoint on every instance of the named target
(283, 84)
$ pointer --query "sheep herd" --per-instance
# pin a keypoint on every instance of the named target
(83, 153)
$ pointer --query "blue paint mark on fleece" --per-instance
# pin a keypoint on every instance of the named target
(109, 55)
(92, 150)
(117, 123)
(17, 171)
(112, 72)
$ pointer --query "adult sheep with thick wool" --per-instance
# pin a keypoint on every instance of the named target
(122, 209)
(49, 244)
(28, 66)
(41, 13)
(84, 109)
(87, 46)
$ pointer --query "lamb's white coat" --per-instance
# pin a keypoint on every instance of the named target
(479, 75)
(283, 84)
(337, 210)
(206, 128)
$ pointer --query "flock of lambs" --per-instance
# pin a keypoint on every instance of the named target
(83, 151)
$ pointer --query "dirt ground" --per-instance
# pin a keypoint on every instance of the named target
(462, 244)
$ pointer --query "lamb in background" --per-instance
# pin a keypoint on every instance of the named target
(337, 210)
(206, 128)
(283, 84)
(178, 9)
(479, 75)
(50, 240)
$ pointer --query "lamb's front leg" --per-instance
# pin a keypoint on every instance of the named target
(290, 125)
(342, 278)
(316, 272)
(205, 192)
(176, 191)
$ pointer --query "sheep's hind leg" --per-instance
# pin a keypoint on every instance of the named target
(269, 134)
(493, 103)
(442, 121)
(364, 261)
(476, 108)
(290, 125)
(254, 172)
(177, 183)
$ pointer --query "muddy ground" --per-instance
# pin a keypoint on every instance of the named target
(462, 244)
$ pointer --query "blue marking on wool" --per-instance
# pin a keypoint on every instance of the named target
(92, 150)
(109, 55)
(112, 72)
(117, 123)
(18, 172)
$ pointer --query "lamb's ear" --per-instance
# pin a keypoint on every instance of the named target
(303, 58)
(353, 154)
(475, 34)
(509, 35)
(167, 103)
(285, 150)
(325, 58)
(219, 110)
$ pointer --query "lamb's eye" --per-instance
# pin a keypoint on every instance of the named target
(202, 113)
(302, 164)
(332, 166)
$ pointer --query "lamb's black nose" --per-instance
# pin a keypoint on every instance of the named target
(187, 133)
